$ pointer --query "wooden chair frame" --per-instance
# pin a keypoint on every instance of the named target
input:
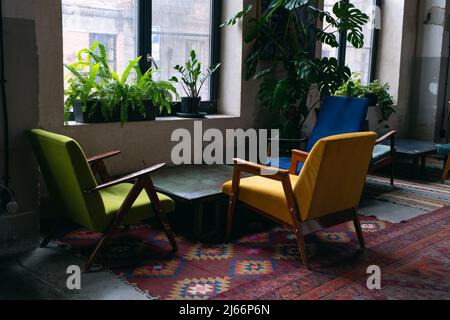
(142, 181)
(283, 176)
(388, 160)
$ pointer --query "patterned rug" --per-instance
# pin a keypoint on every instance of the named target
(423, 195)
(414, 258)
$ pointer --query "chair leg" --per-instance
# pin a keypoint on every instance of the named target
(446, 168)
(302, 246)
(230, 216)
(359, 231)
(168, 230)
(106, 239)
(393, 172)
(115, 224)
(50, 235)
(156, 204)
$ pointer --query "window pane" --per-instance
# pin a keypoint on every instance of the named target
(359, 60)
(178, 27)
(110, 22)
(328, 51)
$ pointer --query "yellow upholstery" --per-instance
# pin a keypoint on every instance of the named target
(264, 194)
(331, 181)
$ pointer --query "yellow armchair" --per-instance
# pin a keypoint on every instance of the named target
(328, 190)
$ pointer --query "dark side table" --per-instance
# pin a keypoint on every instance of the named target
(417, 150)
(197, 186)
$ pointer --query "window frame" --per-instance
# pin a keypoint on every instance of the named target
(144, 32)
(342, 50)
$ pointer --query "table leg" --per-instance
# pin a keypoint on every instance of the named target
(416, 167)
(198, 220)
(423, 166)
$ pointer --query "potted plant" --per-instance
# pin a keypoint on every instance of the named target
(281, 57)
(82, 92)
(160, 93)
(377, 93)
(96, 93)
(192, 81)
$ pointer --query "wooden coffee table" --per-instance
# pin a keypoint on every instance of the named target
(197, 186)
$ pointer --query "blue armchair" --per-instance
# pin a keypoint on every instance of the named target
(341, 115)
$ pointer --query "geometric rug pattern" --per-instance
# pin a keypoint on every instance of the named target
(423, 195)
(414, 258)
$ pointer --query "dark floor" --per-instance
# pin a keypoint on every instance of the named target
(41, 274)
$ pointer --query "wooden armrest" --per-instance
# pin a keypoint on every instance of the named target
(258, 169)
(128, 178)
(289, 140)
(103, 156)
(297, 157)
(391, 135)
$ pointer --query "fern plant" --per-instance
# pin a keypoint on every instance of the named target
(117, 93)
(92, 80)
(161, 93)
(82, 86)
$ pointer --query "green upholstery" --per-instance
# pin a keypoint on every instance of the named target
(380, 152)
(67, 174)
(113, 198)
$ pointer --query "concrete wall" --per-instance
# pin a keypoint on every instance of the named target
(428, 79)
(20, 231)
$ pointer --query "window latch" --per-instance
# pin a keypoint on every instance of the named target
(151, 61)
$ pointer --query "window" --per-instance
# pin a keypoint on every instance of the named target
(359, 60)
(179, 27)
(112, 23)
(165, 29)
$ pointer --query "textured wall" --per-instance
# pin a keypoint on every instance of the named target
(429, 74)
(20, 231)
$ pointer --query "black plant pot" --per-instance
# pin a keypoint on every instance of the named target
(93, 113)
(190, 105)
(373, 99)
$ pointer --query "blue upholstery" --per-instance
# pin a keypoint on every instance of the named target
(339, 115)
(380, 152)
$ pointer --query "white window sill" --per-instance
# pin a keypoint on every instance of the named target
(158, 120)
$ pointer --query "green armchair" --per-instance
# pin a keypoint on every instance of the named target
(69, 176)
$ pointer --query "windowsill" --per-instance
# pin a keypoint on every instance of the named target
(159, 120)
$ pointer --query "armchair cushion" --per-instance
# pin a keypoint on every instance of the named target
(114, 197)
(380, 151)
(444, 150)
(339, 115)
(264, 194)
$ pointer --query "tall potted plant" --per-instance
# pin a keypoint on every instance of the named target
(192, 80)
(285, 35)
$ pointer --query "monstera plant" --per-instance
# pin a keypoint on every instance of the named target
(283, 40)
